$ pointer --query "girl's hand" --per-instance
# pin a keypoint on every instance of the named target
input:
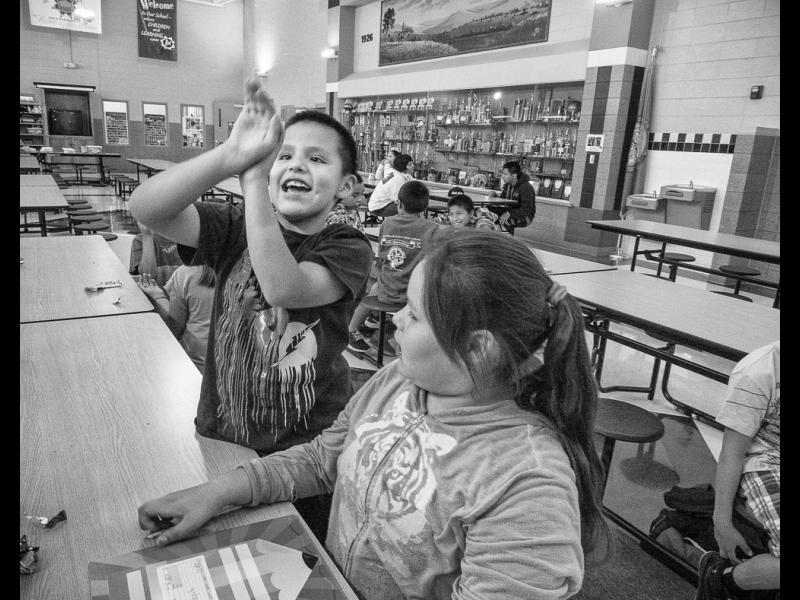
(258, 132)
(179, 515)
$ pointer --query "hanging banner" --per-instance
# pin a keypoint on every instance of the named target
(77, 15)
(157, 29)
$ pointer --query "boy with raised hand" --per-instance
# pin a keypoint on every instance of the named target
(286, 283)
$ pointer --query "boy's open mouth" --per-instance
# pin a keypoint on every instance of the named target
(295, 185)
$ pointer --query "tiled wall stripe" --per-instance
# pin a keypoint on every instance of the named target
(717, 143)
(595, 126)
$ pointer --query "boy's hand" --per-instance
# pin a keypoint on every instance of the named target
(728, 538)
(258, 131)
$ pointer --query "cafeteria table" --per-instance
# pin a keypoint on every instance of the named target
(150, 165)
(690, 237)
(691, 317)
(41, 199)
(29, 163)
(54, 272)
(42, 158)
(232, 186)
(106, 423)
(37, 180)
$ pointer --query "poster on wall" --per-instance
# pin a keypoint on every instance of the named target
(115, 115)
(77, 15)
(157, 23)
(412, 30)
(193, 126)
(155, 124)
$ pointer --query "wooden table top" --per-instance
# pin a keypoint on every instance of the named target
(41, 197)
(106, 423)
(37, 180)
(231, 185)
(725, 243)
(154, 164)
(725, 326)
(57, 269)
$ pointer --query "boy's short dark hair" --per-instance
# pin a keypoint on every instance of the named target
(347, 144)
(454, 190)
(461, 200)
(513, 167)
(413, 196)
(401, 162)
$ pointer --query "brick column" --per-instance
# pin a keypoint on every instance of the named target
(614, 76)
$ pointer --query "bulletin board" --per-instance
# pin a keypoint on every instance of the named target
(154, 119)
(115, 117)
(193, 130)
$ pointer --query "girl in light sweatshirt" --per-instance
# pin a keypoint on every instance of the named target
(464, 469)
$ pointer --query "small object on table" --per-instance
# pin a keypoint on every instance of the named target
(118, 300)
(27, 556)
(52, 521)
(161, 524)
(103, 285)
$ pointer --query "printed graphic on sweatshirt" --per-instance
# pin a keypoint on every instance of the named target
(398, 246)
(265, 362)
(407, 479)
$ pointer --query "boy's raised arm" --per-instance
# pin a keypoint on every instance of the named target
(164, 202)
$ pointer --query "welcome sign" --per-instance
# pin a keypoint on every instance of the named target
(157, 29)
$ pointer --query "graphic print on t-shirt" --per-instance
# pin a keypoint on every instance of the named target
(398, 246)
(265, 362)
(406, 481)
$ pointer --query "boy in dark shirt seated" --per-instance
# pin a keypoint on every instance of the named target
(400, 241)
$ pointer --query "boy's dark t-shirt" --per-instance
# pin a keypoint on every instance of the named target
(268, 367)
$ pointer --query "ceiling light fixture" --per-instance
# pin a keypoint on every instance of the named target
(330, 53)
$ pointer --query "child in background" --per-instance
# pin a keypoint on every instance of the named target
(749, 467)
(153, 255)
(386, 166)
(400, 245)
(346, 211)
(464, 469)
(384, 198)
(461, 213)
(185, 304)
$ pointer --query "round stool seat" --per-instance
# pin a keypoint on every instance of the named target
(372, 303)
(91, 227)
(732, 295)
(625, 422)
(109, 237)
(73, 201)
(738, 270)
(678, 257)
(81, 209)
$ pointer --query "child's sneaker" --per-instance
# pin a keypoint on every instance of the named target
(356, 342)
(372, 322)
(709, 577)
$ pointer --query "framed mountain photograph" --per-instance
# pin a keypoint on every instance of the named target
(412, 30)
